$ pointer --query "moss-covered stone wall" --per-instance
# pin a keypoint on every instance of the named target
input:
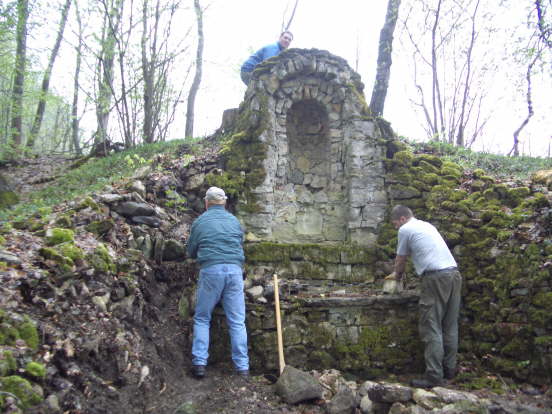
(367, 336)
(500, 234)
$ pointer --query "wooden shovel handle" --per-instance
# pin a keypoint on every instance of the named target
(281, 361)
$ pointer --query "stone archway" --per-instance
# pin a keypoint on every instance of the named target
(324, 172)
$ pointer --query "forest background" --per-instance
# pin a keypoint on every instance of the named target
(76, 74)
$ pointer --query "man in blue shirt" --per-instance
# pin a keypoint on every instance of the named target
(216, 240)
(440, 289)
(266, 52)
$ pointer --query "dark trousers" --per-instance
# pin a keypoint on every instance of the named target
(438, 323)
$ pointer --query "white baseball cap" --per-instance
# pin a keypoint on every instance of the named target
(215, 194)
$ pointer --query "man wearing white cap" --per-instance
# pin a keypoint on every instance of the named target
(216, 240)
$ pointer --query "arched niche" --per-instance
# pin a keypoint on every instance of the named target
(315, 202)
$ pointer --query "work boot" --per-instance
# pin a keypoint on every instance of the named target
(244, 373)
(426, 383)
(450, 373)
(198, 371)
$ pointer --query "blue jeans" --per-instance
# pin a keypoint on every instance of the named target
(220, 282)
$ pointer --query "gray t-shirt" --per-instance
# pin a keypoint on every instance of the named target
(422, 241)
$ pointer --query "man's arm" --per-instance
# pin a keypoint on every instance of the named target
(191, 248)
(398, 268)
(400, 265)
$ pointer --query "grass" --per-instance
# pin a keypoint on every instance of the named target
(498, 166)
(90, 177)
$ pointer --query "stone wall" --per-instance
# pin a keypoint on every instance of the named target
(368, 335)
(312, 176)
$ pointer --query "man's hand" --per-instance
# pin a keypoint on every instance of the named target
(391, 276)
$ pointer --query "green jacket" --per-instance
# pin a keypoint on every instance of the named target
(216, 238)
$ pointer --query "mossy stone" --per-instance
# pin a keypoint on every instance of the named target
(8, 334)
(50, 253)
(29, 333)
(430, 159)
(478, 173)
(538, 200)
(403, 158)
(8, 199)
(232, 184)
(427, 167)
(100, 259)
(22, 389)
(8, 363)
(71, 251)
(58, 235)
(64, 221)
(100, 227)
(451, 173)
(35, 369)
(88, 202)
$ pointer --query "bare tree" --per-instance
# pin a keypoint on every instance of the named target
(112, 11)
(19, 78)
(290, 20)
(444, 35)
(543, 21)
(148, 69)
(47, 74)
(383, 71)
(467, 82)
(537, 50)
(189, 131)
(530, 111)
(158, 58)
(75, 105)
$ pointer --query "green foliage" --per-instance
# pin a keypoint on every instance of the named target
(92, 176)
(176, 201)
(497, 165)
(134, 160)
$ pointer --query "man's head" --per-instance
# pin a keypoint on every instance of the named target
(215, 196)
(400, 215)
(285, 39)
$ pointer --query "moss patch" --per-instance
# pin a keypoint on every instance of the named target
(22, 389)
(58, 235)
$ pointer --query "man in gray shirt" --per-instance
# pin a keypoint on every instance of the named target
(440, 289)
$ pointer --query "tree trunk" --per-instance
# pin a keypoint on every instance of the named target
(106, 60)
(461, 120)
(148, 72)
(286, 27)
(381, 84)
(530, 112)
(438, 125)
(189, 131)
(46, 80)
(75, 105)
(19, 78)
